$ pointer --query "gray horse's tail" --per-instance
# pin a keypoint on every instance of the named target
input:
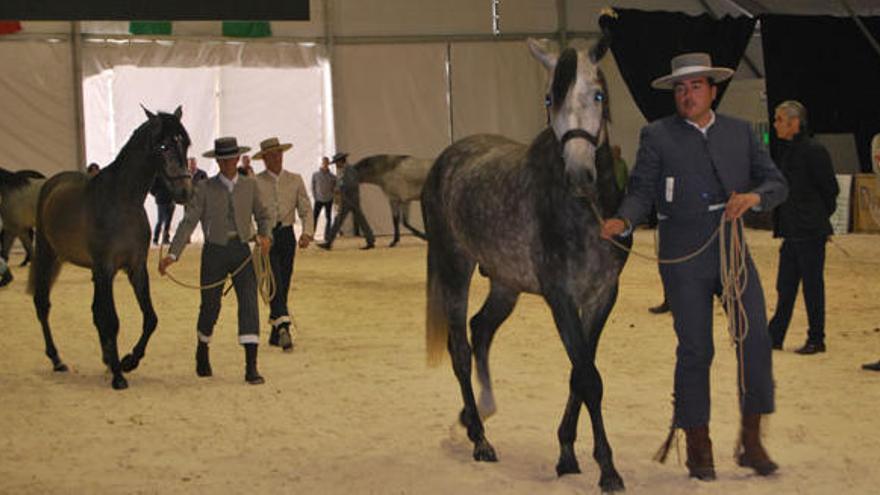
(436, 321)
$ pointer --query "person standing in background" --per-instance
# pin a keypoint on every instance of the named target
(323, 186)
(803, 223)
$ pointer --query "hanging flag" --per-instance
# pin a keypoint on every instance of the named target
(247, 29)
(9, 27)
(150, 27)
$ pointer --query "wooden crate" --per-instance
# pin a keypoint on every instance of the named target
(866, 197)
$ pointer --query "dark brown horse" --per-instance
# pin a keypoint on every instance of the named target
(100, 223)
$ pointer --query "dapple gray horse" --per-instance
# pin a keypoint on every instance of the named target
(401, 177)
(528, 215)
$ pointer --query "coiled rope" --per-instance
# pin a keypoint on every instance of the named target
(262, 270)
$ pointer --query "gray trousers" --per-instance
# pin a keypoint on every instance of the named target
(690, 290)
(217, 262)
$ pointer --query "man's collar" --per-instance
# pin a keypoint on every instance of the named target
(230, 183)
(708, 125)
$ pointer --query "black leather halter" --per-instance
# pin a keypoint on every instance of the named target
(579, 133)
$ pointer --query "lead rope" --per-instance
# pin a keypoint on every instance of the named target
(262, 270)
(734, 278)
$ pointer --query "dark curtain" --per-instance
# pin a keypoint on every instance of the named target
(827, 64)
(644, 43)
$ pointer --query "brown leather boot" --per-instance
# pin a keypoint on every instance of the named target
(699, 453)
(753, 454)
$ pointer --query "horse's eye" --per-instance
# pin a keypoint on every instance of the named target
(599, 97)
(163, 147)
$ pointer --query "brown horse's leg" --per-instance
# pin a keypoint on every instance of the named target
(44, 269)
(105, 318)
(140, 282)
(484, 324)
(27, 241)
(395, 220)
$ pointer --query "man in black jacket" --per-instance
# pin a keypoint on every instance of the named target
(802, 222)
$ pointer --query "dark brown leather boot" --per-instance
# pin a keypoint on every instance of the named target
(753, 454)
(699, 453)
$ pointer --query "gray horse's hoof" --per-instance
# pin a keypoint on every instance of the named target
(483, 452)
(119, 383)
(60, 368)
(567, 466)
(611, 482)
(129, 363)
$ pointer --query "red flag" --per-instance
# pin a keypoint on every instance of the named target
(9, 27)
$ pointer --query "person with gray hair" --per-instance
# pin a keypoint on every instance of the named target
(802, 221)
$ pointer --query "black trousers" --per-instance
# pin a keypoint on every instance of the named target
(800, 260)
(217, 262)
(328, 210)
(164, 212)
(359, 221)
(281, 256)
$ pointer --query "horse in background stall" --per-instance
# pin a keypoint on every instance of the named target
(529, 216)
(401, 177)
(18, 209)
(100, 223)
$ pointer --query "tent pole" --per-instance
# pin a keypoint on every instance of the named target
(77, 73)
(562, 23)
(871, 40)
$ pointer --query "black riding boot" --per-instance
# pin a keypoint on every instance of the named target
(251, 375)
(203, 363)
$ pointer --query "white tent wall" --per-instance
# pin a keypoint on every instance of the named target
(390, 99)
(38, 123)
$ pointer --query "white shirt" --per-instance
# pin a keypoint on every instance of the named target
(229, 183)
(703, 130)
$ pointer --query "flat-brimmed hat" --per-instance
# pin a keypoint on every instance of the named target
(270, 145)
(690, 65)
(226, 147)
(338, 157)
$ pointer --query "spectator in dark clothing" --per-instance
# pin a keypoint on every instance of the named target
(802, 221)
(197, 174)
(349, 184)
(164, 211)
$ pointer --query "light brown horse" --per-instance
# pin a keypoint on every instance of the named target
(100, 223)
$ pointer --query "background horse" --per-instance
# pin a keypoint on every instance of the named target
(528, 216)
(402, 178)
(20, 191)
(100, 223)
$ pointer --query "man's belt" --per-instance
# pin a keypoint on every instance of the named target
(710, 208)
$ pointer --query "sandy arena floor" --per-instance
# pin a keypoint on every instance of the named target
(355, 410)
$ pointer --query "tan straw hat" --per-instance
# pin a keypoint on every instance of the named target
(270, 145)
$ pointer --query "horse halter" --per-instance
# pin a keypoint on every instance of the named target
(572, 133)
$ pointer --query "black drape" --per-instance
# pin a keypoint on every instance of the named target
(827, 64)
(644, 43)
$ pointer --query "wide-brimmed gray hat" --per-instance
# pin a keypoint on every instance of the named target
(270, 145)
(338, 157)
(689, 65)
(226, 147)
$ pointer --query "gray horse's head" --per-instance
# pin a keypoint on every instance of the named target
(578, 106)
(169, 143)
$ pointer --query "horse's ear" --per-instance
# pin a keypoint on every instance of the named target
(178, 112)
(598, 50)
(150, 115)
(544, 56)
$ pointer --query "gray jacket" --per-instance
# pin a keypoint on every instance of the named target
(687, 175)
(209, 206)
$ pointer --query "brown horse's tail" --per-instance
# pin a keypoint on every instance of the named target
(436, 322)
(45, 265)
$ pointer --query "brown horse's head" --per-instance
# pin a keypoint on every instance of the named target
(168, 151)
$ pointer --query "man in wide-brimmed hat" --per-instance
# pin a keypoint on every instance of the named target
(285, 194)
(226, 205)
(349, 188)
(696, 166)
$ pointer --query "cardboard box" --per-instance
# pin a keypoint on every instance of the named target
(866, 203)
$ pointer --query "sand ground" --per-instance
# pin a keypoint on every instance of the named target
(355, 410)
